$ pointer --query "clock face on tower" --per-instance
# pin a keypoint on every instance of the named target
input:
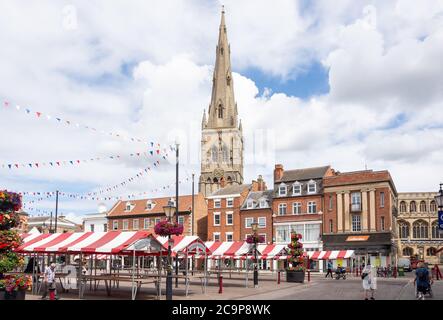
(218, 173)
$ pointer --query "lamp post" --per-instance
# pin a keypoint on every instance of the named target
(177, 144)
(254, 227)
(169, 211)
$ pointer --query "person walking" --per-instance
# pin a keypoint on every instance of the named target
(369, 280)
(422, 281)
(49, 281)
(329, 269)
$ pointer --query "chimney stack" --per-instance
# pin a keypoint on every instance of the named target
(261, 183)
(278, 172)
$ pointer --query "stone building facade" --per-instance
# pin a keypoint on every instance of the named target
(418, 226)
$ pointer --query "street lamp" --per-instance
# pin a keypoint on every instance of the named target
(177, 145)
(439, 198)
(254, 227)
(169, 211)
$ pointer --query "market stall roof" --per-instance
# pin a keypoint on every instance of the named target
(271, 251)
(234, 249)
(192, 245)
(330, 255)
(111, 242)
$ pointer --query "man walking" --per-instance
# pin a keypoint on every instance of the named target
(49, 281)
(329, 269)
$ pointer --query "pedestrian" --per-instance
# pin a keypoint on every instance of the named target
(49, 281)
(329, 269)
(369, 280)
(422, 281)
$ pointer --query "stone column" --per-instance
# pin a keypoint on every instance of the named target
(347, 214)
(364, 199)
(372, 210)
(339, 213)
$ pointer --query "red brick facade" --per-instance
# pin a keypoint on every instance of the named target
(255, 214)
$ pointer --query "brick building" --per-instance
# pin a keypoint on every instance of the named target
(298, 204)
(360, 214)
(143, 214)
(224, 210)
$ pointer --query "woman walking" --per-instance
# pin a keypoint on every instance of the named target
(369, 277)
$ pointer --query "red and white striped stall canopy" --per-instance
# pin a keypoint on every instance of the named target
(111, 242)
(330, 255)
(271, 251)
(192, 245)
(234, 249)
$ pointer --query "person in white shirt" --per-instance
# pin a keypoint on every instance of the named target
(49, 281)
(369, 277)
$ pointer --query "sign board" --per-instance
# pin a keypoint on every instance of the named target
(440, 220)
(357, 238)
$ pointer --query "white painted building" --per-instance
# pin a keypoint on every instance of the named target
(96, 222)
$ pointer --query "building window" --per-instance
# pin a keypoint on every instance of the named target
(296, 208)
(216, 236)
(331, 226)
(312, 232)
(282, 209)
(248, 222)
(250, 204)
(282, 190)
(433, 206)
(312, 207)
(298, 228)
(296, 189)
(105, 227)
(220, 110)
(216, 219)
(403, 229)
(128, 206)
(355, 201)
(422, 206)
(262, 222)
(125, 225)
(181, 220)
(412, 207)
(382, 200)
(92, 227)
(135, 224)
(115, 225)
(282, 234)
(229, 218)
(436, 234)
(330, 202)
(264, 237)
(230, 203)
(157, 220)
(402, 206)
(407, 252)
(431, 251)
(420, 229)
(263, 204)
(146, 223)
(217, 203)
(229, 237)
(149, 205)
(356, 223)
(382, 223)
(312, 187)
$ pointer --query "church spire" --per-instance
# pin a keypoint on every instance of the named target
(222, 110)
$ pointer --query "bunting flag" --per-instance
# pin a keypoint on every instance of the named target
(34, 164)
(40, 115)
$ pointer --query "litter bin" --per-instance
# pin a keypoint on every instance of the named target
(401, 272)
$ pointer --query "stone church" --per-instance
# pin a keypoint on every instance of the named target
(222, 136)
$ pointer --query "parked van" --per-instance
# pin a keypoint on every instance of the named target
(405, 263)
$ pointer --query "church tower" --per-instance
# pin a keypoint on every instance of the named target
(222, 136)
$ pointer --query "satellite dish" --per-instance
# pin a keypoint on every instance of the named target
(102, 208)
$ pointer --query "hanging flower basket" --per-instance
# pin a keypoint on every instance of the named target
(9, 220)
(255, 239)
(9, 201)
(296, 269)
(165, 228)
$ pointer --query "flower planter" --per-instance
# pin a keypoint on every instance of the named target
(16, 295)
(295, 276)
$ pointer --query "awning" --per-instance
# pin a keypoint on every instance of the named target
(330, 255)
(111, 242)
(192, 245)
(227, 250)
(271, 251)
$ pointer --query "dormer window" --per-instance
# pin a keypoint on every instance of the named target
(263, 203)
(312, 187)
(250, 204)
(149, 205)
(296, 189)
(282, 190)
(128, 206)
(172, 201)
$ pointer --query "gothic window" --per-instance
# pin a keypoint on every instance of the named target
(228, 80)
(209, 180)
(229, 180)
(214, 154)
(403, 229)
(402, 206)
(435, 231)
(215, 180)
(225, 154)
(420, 229)
(431, 251)
(221, 50)
(412, 207)
(407, 252)
(433, 206)
(422, 206)
(220, 111)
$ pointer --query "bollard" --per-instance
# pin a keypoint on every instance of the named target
(356, 272)
(220, 284)
(278, 278)
(395, 272)
(309, 275)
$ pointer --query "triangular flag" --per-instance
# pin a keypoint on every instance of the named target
(16, 165)
(27, 110)
(6, 104)
(59, 119)
(38, 114)
(58, 163)
(78, 161)
(30, 165)
(51, 163)
(36, 165)
(9, 165)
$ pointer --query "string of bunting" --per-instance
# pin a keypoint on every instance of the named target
(41, 115)
(54, 164)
